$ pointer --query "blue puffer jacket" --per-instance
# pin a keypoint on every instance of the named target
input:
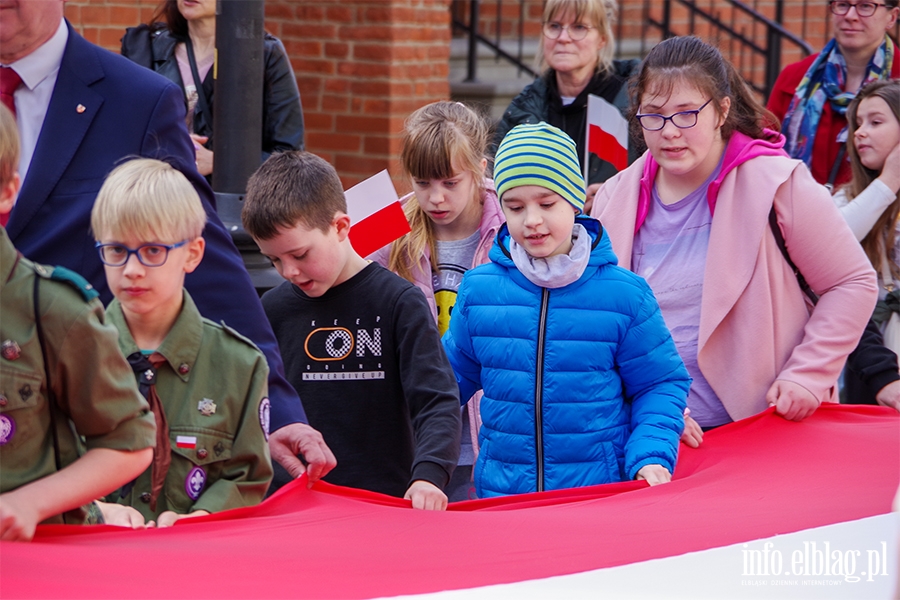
(582, 384)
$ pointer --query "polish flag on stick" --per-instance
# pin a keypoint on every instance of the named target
(607, 134)
(376, 216)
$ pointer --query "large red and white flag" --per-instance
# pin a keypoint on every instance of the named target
(376, 216)
(709, 533)
(607, 133)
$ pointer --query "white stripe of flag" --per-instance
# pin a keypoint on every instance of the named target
(376, 216)
(607, 133)
(186, 441)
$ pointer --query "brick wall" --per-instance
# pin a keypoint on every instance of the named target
(362, 67)
(103, 22)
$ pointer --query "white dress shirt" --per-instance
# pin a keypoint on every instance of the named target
(38, 71)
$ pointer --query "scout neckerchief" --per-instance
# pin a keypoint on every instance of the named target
(145, 369)
(824, 82)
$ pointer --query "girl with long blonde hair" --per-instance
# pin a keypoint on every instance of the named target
(454, 216)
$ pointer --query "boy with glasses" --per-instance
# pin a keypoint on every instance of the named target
(206, 384)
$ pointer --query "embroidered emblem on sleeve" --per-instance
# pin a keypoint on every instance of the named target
(7, 429)
(195, 482)
(264, 421)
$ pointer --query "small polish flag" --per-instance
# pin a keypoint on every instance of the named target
(607, 134)
(376, 215)
(186, 441)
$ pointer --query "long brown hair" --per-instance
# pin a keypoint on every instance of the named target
(167, 12)
(436, 138)
(884, 230)
(690, 59)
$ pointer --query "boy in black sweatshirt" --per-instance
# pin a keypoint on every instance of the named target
(359, 343)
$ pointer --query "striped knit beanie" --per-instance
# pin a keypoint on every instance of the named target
(540, 155)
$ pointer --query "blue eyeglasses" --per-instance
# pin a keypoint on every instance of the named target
(682, 120)
(149, 255)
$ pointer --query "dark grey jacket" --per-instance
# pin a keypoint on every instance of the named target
(540, 101)
(154, 48)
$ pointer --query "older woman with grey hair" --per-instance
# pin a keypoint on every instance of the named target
(577, 48)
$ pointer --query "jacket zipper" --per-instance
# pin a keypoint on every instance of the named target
(539, 391)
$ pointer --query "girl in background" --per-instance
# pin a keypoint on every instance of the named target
(454, 216)
(870, 203)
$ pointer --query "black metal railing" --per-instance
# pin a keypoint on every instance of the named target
(466, 18)
(751, 40)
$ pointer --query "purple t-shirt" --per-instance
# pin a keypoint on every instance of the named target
(670, 253)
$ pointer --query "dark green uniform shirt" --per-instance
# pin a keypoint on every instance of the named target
(92, 384)
(213, 392)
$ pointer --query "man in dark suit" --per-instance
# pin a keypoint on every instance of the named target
(80, 111)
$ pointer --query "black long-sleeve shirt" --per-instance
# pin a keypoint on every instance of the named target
(367, 360)
(870, 367)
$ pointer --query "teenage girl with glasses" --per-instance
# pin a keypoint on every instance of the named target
(692, 216)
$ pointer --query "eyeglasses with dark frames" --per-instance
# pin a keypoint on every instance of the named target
(149, 255)
(863, 9)
(577, 31)
(684, 119)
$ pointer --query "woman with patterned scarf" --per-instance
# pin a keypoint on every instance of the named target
(811, 96)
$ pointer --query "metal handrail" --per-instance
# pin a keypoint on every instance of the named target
(775, 34)
(474, 37)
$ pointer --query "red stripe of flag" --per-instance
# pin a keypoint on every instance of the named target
(608, 148)
(379, 229)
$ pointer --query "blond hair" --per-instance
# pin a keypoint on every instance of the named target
(438, 138)
(9, 146)
(149, 199)
(600, 14)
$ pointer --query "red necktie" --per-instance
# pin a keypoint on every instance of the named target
(9, 83)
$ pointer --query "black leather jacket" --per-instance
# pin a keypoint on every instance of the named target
(154, 48)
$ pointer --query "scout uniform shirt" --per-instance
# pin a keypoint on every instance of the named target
(92, 384)
(212, 388)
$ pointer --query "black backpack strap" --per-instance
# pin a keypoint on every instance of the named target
(779, 239)
(832, 176)
(198, 83)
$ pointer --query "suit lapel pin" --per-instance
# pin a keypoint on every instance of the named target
(80, 108)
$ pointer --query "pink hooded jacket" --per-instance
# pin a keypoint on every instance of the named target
(755, 324)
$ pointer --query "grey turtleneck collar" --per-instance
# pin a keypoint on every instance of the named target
(554, 271)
